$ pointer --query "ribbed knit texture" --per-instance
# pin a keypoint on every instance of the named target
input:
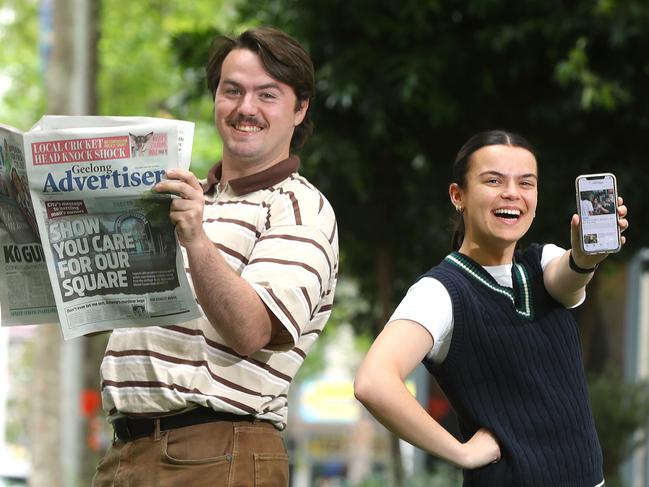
(519, 376)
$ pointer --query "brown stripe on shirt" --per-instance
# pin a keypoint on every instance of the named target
(228, 350)
(241, 223)
(266, 206)
(288, 262)
(299, 239)
(296, 205)
(174, 387)
(333, 233)
(284, 309)
(311, 332)
(305, 293)
(232, 252)
(175, 360)
(300, 352)
(238, 202)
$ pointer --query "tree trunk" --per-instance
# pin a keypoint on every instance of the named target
(56, 419)
(45, 431)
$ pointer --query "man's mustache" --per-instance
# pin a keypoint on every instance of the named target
(245, 120)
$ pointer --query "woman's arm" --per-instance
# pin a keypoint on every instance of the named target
(561, 281)
(379, 385)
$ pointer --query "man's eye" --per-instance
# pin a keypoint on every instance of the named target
(268, 96)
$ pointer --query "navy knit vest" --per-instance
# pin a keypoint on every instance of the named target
(514, 366)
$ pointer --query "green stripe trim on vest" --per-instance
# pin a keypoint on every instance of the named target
(521, 282)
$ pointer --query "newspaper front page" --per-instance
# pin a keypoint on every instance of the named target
(25, 292)
(111, 250)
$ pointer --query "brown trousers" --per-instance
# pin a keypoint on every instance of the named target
(218, 454)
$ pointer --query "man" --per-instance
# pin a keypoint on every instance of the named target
(587, 205)
(203, 403)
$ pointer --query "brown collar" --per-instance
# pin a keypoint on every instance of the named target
(254, 182)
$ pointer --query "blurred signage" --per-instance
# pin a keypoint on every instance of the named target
(331, 400)
(328, 400)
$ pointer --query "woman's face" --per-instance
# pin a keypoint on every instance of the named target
(499, 197)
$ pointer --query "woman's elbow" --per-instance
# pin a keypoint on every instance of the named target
(363, 387)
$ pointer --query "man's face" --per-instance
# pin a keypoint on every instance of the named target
(254, 113)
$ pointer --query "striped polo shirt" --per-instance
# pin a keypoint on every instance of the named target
(277, 231)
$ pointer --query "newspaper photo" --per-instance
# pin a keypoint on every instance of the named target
(111, 251)
(25, 291)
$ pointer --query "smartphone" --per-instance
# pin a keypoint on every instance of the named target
(599, 232)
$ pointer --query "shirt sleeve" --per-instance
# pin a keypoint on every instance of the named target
(428, 303)
(551, 252)
(293, 269)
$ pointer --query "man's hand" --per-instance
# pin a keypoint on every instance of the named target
(187, 210)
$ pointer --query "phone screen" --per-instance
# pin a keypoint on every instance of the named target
(597, 203)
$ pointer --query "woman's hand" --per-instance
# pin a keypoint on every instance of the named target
(584, 260)
(482, 449)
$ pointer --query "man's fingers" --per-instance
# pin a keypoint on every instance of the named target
(185, 204)
(187, 177)
(179, 187)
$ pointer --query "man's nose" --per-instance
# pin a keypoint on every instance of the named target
(247, 104)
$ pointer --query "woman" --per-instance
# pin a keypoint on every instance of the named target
(491, 324)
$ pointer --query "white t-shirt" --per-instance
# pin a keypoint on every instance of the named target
(428, 303)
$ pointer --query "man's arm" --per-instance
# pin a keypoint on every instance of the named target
(230, 303)
(561, 281)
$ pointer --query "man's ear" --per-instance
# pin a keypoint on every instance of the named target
(300, 112)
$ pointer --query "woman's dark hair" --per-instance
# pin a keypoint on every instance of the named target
(282, 57)
(463, 158)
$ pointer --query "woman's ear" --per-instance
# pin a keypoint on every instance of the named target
(456, 193)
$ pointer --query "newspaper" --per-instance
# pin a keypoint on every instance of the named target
(25, 292)
(111, 251)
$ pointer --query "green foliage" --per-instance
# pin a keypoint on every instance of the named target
(621, 411)
(23, 101)
(596, 92)
(140, 73)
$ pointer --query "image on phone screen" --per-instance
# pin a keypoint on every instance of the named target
(598, 212)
